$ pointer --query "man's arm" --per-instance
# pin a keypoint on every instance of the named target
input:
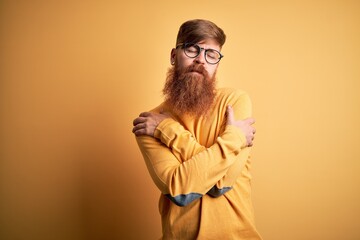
(183, 169)
(184, 146)
(242, 109)
(186, 181)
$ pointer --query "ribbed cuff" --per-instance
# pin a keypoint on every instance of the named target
(166, 130)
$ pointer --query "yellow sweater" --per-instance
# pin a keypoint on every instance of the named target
(202, 169)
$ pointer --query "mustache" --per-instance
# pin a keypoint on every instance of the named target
(196, 68)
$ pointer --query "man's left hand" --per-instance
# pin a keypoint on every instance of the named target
(147, 122)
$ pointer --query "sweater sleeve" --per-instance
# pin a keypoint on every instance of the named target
(183, 145)
(185, 181)
(243, 109)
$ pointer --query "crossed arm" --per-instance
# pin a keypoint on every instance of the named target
(147, 123)
(182, 168)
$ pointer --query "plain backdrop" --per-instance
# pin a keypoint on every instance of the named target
(74, 74)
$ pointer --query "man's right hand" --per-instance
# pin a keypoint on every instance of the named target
(147, 122)
(244, 125)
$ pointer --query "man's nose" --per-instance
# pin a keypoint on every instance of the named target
(200, 58)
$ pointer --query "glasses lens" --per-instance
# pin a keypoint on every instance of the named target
(191, 50)
(212, 56)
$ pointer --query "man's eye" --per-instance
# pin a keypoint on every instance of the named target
(212, 54)
(191, 49)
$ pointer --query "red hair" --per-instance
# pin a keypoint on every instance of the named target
(194, 31)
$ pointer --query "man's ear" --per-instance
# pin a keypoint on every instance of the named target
(173, 56)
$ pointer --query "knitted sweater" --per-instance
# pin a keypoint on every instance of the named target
(202, 168)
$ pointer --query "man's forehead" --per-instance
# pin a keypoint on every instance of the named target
(209, 42)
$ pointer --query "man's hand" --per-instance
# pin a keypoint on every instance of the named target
(147, 122)
(244, 125)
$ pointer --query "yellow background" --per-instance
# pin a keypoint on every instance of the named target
(73, 76)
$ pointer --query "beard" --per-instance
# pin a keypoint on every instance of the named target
(189, 91)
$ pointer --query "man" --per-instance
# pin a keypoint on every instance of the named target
(196, 144)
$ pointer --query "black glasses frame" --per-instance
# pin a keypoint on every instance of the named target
(185, 45)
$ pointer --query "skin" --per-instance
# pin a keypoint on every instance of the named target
(178, 56)
(147, 122)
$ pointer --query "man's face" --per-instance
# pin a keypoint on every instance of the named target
(190, 84)
(182, 61)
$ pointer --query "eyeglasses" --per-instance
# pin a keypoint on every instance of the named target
(193, 50)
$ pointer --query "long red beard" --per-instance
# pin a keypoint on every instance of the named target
(187, 92)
